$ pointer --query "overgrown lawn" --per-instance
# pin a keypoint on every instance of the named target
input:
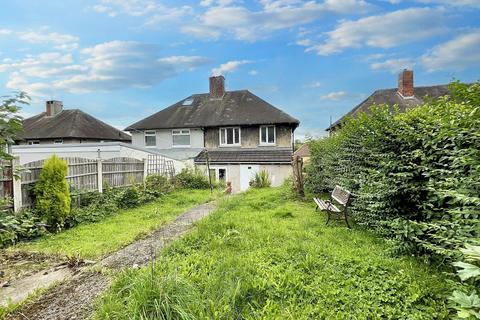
(114, 232)
(263, 256)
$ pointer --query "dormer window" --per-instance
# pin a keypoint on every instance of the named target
(230, 136)
(267, 135)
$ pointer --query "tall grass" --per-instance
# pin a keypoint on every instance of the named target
(264, 256)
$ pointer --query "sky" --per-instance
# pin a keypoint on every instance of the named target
(124, 60)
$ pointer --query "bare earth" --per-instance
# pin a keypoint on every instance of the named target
(73, 299)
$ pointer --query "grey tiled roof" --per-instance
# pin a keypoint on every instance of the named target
(199, 110)
(391, 97)
(70, 123)
(259, 155)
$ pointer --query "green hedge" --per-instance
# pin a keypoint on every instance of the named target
(415, 176)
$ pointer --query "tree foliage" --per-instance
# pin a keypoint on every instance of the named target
(415, 175)
(52, 193)
(10, 120)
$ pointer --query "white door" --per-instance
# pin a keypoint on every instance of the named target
(247, 172)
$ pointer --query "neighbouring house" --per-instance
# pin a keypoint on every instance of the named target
(404, 96)
(58, 126)
(303, 152)
(237, 132)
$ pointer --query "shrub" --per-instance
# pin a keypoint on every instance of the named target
(155, 186)
(128, 197)
(19, 226)
(52, 193)
(468, 305)
(192, 178)
(261, 180)
(415, 176)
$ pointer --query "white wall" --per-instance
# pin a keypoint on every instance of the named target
(105, 150)
(165, 140)
(278, 173)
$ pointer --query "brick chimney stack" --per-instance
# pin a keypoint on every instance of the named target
(217, 87)
(53, 108)
(405, 84)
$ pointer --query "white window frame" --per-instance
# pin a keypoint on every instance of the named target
(217, 173)
(58, 141)
(33, 142)
(226, 144)
(149, 133)
(182, 133)
(274, 136)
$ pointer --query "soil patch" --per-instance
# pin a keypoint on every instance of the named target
(16, 264)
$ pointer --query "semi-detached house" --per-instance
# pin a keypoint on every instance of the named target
(241, 134)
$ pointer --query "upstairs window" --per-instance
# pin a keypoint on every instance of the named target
(150, 138)
(32, 142)
(58, 141)
(181, 137)
(267, 135)
(230, 136)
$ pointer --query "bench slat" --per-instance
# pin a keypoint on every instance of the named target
(324, 205)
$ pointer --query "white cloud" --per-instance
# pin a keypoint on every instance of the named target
(384, 31)
(108, 66)
(245, 24)
(393, 65)
(154, 11)
(5, 32)
(460, 53)
(313, 85)
(228, 67)
(253, 72)
(336, 95)
(60, 41)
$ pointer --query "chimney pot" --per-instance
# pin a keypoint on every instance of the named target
(53, 107)
(217, 87)
(405, 84)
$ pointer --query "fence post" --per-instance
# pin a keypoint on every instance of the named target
(17, 186)
(99, 175)
(145, 169)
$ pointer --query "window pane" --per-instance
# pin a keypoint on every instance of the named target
(212, 175)
(222, 136)
(271, 134)
(181, 140)
(222, 174)
(230, 136)
(237, 135)
(263, 131)
(150, 141)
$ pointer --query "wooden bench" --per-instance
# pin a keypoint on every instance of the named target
(342, 197)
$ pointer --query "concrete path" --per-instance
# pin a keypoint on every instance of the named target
(73, 298)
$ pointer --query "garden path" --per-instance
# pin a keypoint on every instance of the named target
(72, 299)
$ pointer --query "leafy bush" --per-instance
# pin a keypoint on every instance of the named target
(155, 186)
(261, 180)
(468, 305)
(415, 176)
(52, 202)
(192, 178)
(128, 197)
(19, 226)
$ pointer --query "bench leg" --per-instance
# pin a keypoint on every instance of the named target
(346, 220)
(328, 219)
